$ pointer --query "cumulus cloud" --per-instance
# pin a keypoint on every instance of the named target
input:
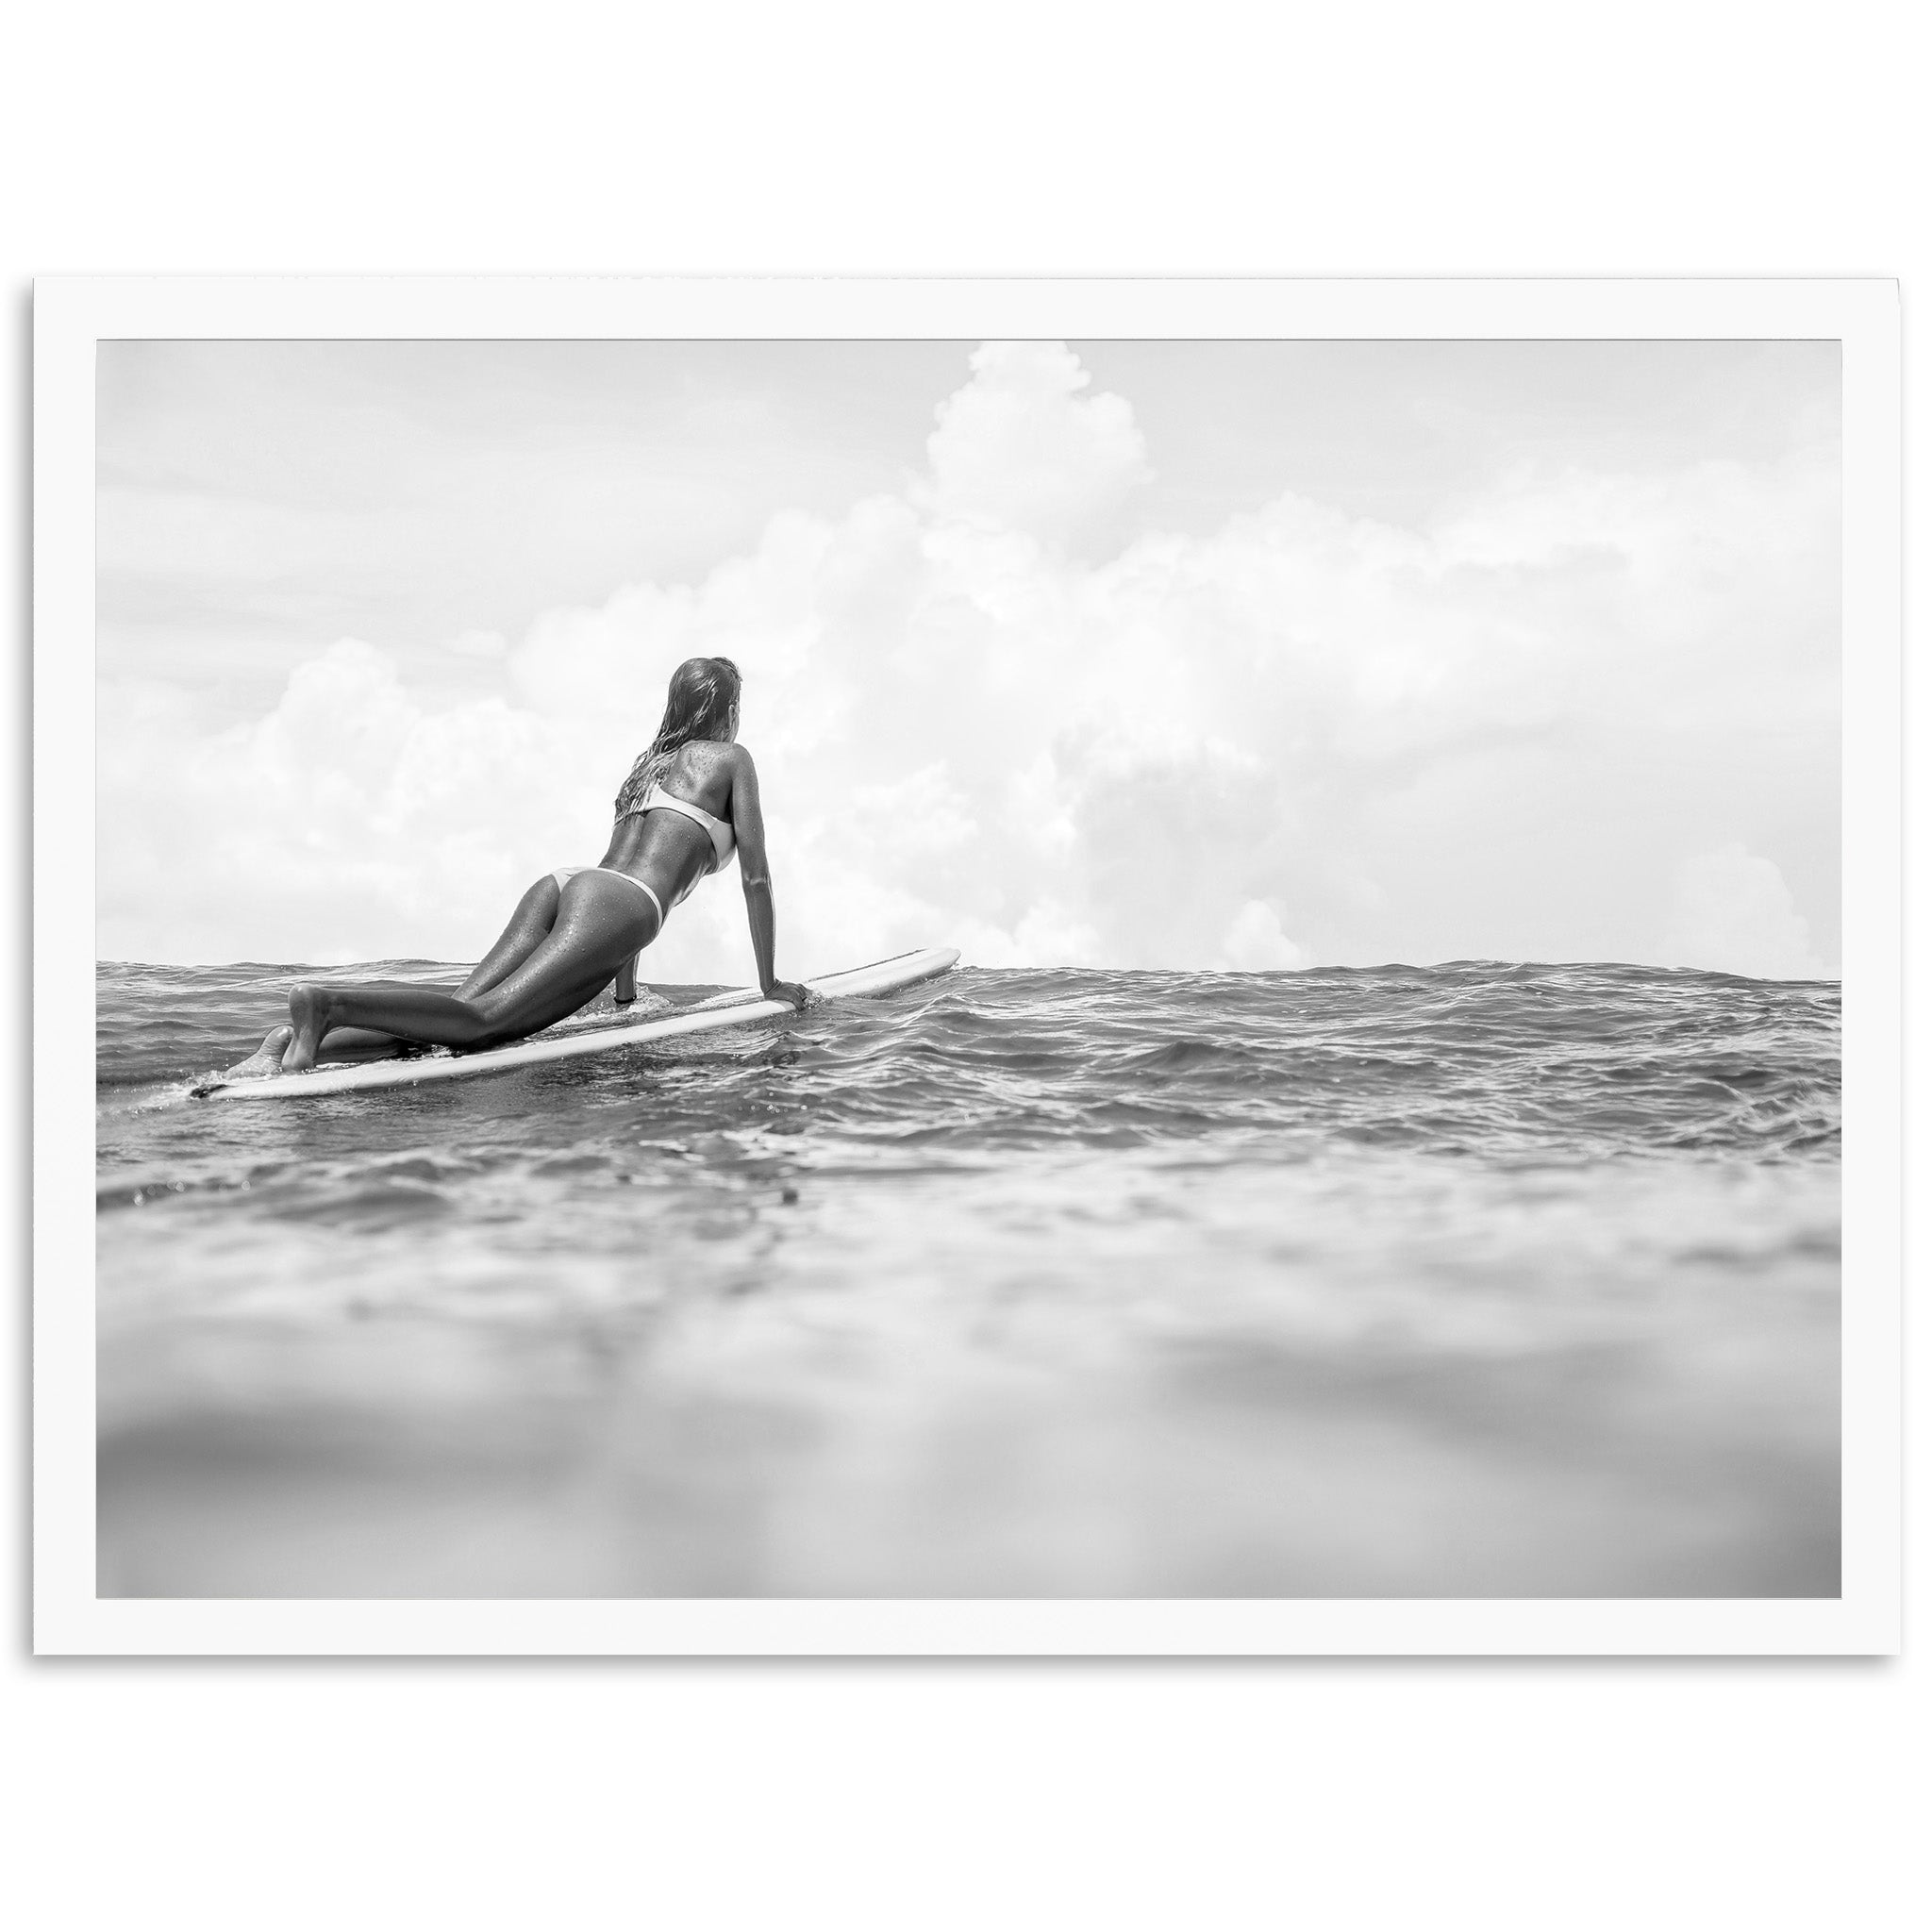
(1302, 738)
(349, 824)
(1255, 941)
(1019, 449)
(1734, 914)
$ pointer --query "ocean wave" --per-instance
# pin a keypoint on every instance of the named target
(1479, 1258)
(1469, 1059)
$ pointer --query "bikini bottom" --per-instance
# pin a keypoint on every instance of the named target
(565, 874)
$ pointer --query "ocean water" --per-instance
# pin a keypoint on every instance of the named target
(1471, 1280)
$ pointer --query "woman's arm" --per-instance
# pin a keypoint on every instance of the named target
(748, 825)
(625, 989)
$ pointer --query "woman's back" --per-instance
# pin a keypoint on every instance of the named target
(665, 848)
(700, 773)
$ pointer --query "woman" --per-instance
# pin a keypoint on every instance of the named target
(690, 802)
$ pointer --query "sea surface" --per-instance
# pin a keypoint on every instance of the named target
(1471, 1280)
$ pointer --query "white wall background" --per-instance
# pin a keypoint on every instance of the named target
(1401, 651)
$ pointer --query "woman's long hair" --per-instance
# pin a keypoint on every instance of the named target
(703, 690)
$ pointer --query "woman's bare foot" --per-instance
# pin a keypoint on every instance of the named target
(266, 1059)
(308, 1015)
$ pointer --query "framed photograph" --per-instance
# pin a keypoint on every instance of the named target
(923, 967)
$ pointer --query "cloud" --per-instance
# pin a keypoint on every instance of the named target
(1019, 448)
(1302, 738)
(349, 824)
(1255, 942)
(1734, 914)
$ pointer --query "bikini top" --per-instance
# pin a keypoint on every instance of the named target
(723, 840)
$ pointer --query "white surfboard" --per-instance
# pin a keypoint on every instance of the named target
(573, 1038)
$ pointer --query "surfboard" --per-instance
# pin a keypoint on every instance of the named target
(575, 1038)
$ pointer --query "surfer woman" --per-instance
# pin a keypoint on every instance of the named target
(690, 799)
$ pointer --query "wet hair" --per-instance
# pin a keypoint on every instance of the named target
(703, 690)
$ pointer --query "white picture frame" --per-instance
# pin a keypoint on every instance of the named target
(73, 315)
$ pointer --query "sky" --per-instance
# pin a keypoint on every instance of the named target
(1217, 655)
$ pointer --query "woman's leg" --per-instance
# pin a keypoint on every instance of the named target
(530, 926)
(266, 1059)
(600, 922)
(344, 1044)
